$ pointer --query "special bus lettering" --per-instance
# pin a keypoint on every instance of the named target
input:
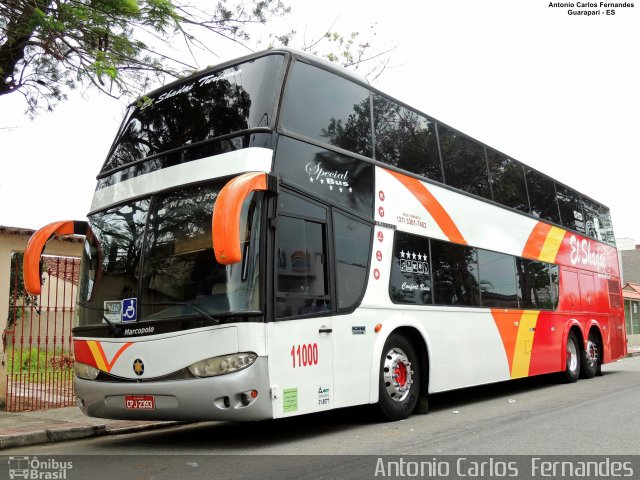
(314, 169)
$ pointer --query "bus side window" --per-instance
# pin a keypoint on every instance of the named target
(352, 245)
(464, 163)
(301, 266)
(455, 274)
(537, 284)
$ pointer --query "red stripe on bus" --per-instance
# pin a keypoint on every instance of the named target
(82, 353)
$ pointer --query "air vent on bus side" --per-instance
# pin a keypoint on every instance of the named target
(615, 298)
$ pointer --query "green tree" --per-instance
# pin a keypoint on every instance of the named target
(350, 50)
(48, 47)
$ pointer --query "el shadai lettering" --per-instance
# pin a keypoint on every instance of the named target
(583, 253)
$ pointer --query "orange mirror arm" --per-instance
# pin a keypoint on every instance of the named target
(226, 214)
(35, 246)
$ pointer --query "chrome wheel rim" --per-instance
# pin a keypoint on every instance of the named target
(397, 374)
(572, 353)
(592, 352)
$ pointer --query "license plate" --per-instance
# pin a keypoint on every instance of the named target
(140, 402)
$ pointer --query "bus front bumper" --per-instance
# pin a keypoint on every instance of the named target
(221, 397)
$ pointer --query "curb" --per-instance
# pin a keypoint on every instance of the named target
(66, 433)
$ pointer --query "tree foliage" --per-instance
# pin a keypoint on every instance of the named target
(122, 47)
(48, 47)
(351, 50)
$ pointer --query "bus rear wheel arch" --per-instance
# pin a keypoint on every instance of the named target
(400, 377)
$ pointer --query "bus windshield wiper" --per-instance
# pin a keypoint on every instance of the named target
(116, 329)
(186, 304)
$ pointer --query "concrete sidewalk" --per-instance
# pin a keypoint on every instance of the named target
(63, 424)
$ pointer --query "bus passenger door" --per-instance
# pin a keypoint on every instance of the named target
(300, 340)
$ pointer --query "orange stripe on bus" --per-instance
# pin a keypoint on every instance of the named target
(101, 358)
(535, 242)
(517, 329)
(435, 209)
(98, 355)
(507, 322)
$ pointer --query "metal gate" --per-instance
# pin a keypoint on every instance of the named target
(39, 350)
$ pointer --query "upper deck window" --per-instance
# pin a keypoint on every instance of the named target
(542, 196)
(507, 181)
(465, 165)
(327, 108)
(570, 203)
(406, 139)
(208, 106)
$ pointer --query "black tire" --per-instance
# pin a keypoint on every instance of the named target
(399, 380)
(572, 367)
(592, 357)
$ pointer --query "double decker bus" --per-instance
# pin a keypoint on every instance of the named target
(274, 236)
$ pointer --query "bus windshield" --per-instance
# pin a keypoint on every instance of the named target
(208, 106)
(158, 251)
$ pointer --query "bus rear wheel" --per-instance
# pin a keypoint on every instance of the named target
(399, 378)
(591, 357)
(572, 368)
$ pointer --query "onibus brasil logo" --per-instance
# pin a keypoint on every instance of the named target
(36, 469)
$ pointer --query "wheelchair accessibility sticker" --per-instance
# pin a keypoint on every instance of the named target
(121, 310)
(129, 309)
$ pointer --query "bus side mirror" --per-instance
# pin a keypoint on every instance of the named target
(226, 213)
(35, 246)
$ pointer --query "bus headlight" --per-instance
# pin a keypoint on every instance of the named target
(85, 371)
(222, 365)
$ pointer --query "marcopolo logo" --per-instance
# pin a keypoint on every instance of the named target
(138, 331)
(38, 469)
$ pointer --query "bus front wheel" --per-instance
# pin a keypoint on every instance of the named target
(572, 369)
(399, 378)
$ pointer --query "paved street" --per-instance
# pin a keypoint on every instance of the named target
(532, 416)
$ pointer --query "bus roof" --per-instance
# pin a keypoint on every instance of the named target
(296, 54)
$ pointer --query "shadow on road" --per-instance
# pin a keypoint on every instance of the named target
(234, 437)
